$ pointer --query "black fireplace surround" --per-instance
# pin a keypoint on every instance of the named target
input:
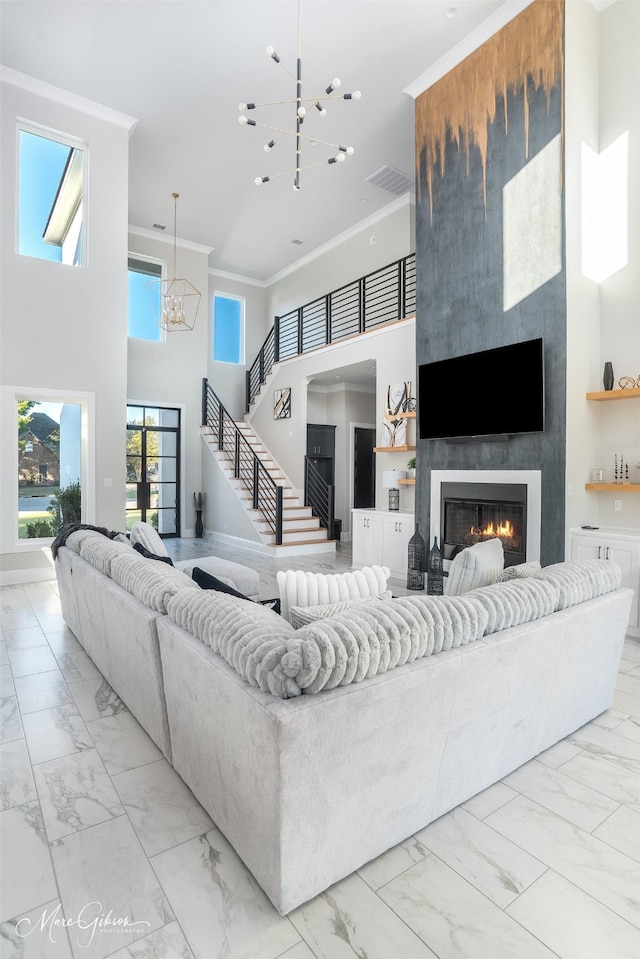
(475, 512)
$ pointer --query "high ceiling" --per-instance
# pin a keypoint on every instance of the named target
(181, 68)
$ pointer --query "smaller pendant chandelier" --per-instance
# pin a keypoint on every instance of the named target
(174, 302)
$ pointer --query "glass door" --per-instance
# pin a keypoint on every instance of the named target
(153, 475)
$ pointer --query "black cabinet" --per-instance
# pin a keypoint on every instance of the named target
(321, 440)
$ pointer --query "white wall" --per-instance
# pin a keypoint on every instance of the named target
(602, 80)
(62, 327)
(350, 257)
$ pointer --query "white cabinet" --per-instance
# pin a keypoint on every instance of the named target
(619, 545)
(381, 537)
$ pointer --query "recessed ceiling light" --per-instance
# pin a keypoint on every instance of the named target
(451, 13)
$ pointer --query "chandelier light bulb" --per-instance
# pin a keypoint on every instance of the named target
(356, 94)
(301, 112)
(340, 158)
(242, 119)
(242, 106)
(268, 146)
(272, 53)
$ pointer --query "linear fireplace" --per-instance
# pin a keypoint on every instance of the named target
(474, 512)
(469, 506)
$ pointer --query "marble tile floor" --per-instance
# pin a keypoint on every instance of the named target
(105, 852)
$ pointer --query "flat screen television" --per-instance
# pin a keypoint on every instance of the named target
(497, 392)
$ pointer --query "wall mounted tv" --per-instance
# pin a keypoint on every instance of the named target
(485, 395)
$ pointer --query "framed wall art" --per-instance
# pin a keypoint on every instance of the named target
(282, 404)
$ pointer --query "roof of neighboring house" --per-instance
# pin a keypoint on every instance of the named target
(41, 426)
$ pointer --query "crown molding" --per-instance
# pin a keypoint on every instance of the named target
(473, 40)
(22, 80)
(237, 277)
(164, 238)
(398, 204)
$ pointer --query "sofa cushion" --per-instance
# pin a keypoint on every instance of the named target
(145, 533)
(578, 582)
(99, 551)
(515, 602)
(372, 638)
(298, 588)
(302, 615)
(140, 548)
(521, 571)
(250, 637)
(151, 583)
(209, 581)
(475, 566)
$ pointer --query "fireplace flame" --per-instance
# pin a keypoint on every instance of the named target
(504, 530)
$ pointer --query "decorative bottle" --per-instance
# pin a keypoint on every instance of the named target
(607, 376)
(435, 580)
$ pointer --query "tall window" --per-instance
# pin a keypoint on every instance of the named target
(228, 328)
(50, 198)
(141, 324)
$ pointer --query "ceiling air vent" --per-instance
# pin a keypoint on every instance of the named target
(391, 180)
(297, 242)
(159, 226)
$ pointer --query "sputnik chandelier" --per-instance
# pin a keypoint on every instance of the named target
(294, 129)
(178, 299)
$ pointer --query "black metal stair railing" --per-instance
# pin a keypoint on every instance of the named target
(265, 492)
(319, 495)
(387, 295)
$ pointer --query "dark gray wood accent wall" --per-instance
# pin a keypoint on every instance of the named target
(459, 262)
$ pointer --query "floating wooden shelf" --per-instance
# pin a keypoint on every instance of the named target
(612, 487)
(406, 416)
(393, 449)
(407, 482)
(604, 395)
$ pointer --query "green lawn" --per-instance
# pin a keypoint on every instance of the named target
(24, 518)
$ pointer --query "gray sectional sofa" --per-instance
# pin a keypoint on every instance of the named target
(315, 750)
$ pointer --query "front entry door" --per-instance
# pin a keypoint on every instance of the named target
(153, 475)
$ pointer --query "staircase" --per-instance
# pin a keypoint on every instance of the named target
(280, 519)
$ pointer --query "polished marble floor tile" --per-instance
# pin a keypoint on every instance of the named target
(24, 638)
(26, 662)
(630, 729)
(30, 881)
(51, 624)
(41, 691)
(393, 862)
(96, 699)
(162, 809)
(122, 743)
(622, 831)
(63, 642)
(629, 683)
(612, 780)
(166, 943)
(489, 800)
(610, 719)
(627, 703)
(17, 618)
(77, 666)
(349, 920)
(558, 754)
(454, 919)
(75, 792)
(16, 778)
(103, 870)
(36, 934)
(494, 865)
(6, 682)
(552, 789)
(10, 721)
(583, 859)
(4, 659)
(55, 732)
(219, 905)
(609, 745)
(573, 924)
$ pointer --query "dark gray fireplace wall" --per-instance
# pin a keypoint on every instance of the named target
(460, 310)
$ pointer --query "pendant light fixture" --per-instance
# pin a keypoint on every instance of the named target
(301, 102)
(174, 302)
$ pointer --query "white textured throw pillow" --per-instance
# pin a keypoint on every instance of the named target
(521, 571)
(475, 566)
(145, 534)
(303, 615)
(298, 588)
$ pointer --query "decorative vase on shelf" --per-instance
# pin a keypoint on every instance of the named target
(607, 376)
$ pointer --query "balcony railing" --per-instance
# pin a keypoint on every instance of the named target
(382, 297)
(265, 492)
(319, 495)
